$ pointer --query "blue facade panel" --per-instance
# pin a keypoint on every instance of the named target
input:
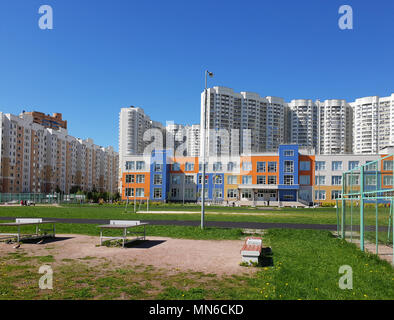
(211, 186)
(288, 153)
(159, 165)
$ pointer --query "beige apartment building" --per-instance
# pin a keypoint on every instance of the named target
(37, 159)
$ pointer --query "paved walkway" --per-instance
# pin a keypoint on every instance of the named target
(214, 224)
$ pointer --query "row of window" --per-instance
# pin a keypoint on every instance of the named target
(370, 180)
(338, 165)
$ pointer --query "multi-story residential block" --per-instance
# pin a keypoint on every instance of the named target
(133, 125)
(335, 127)
(373, 127)
(53, 122)
(242, 122)
(37, 159)
(303, 123)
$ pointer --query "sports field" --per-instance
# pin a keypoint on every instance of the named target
(299, 264)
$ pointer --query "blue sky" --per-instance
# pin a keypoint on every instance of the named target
(103, 55)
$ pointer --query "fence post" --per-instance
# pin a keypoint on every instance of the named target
(362, 208)
(343, 225)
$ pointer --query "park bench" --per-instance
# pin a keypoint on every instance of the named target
(124, 225)
(251, 250)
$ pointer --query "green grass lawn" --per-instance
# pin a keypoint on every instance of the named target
(285, 215)
(304, 264)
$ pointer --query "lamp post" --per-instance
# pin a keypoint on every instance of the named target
(203, 127)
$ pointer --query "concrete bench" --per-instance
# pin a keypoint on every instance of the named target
(251, 250)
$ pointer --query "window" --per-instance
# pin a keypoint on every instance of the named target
(217, 179)
(129, 178)
(174, 192)
(231, 179)
(335, 194)
(189, 166)
(158, 167)
(305, 180)
(129, 192)
(189, 179)
(305, 165)
(200, 179)
(176, 179)
(289, 166)
(271, 179)
(354, 180)
(176, 166)
(199, 193)
(320, 180)
(246, 179)
(130, 165)
(387, 180)
(157, 179)
(157, 193)
(288, 179)
(217, 193)
(139, 192)
(140, 165)
(320, 194)
(232, 193)
(353, 164)
(271, 166)
(288, 153)
(246, 166)
(370, 180)
(189, 193)
(260, 166)
(200, 167)
(370, 167)
(336, 165)
(336, 180)
(246, 194)
(387, 165)
(320, 165)
(261, 179)
(139, 178)
(217, 166)
(230, 166)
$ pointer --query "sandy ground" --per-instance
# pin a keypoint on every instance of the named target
(219, 257)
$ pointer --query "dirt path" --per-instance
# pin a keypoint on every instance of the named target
(208, 256)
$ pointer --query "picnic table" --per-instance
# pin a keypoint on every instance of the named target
(40, 232)
(124, 225)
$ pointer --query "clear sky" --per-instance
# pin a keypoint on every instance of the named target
(103, 55)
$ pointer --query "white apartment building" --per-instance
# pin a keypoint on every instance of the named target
(373, 123)
(37, 159)
(303, 123)
(133, 124)
(335, 127)
(193, 140)
(242, 122)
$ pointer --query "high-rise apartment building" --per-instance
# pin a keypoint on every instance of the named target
(303, 123)
(373, 127)
(242, 122)
(37, 159)
(133, 124)
(335, 127)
